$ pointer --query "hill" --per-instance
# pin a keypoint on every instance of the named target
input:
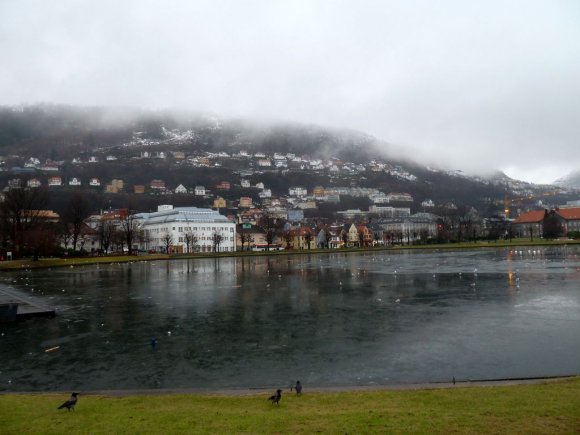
(139, 146)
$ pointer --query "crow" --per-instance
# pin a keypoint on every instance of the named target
(70, 403)
(276, 397)
(298, 388)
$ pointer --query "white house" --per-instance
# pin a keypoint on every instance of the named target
(245, 183)
(266, 193)
(180, 189)
(74, 181)
(169, 225)
(33, 182)
(297, 191)
(199, 191)
(94, 182)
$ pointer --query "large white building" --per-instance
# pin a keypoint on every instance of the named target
(173, 226)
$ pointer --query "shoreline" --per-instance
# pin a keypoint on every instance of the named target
(234, 392)
(47, 263)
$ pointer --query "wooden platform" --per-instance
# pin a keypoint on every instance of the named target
(26, 308)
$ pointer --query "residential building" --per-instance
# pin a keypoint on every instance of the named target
(219, 202)
(353, 214)
(252, 235)
(74, 181)
(223, 185)
(399, 197)
(199, 191)
(299, 238)
(390, 212)
(571, 217)
(318, 192)
(297, 191)
(54, 181)
(296, 215)
(33, 182)
(181, 189)
(529, 224)
(157, 185)
(245, 201)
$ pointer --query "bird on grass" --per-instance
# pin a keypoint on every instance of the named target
(276, 397)
(298, 388)
(70, 403)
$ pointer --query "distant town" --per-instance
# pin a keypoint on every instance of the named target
(243, 201)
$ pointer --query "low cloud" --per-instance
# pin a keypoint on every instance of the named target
(466, 85)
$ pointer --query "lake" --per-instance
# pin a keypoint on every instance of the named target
(336, 319)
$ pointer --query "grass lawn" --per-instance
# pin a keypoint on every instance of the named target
(549, 408)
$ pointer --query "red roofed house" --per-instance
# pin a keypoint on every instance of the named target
(529, 224)
(532, 223)
(571, 217)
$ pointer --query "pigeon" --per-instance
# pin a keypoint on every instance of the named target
(276, 397)
(70, 403)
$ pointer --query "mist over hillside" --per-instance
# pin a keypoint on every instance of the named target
(59, 130)
(570, 181)
(68, 137)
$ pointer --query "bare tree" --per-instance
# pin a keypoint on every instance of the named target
(217, 239)
(167, 241)
(21, 212)
(106, 234)
(268, 227)
(344, 237)
(288, 238)
(118, 240)
(75, 215)
(245, 238)
(129, 227)
(308, 237)
(190, 239)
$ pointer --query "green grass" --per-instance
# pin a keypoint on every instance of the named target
(550, 408)
(80, 261)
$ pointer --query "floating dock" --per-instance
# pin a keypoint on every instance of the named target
(14, 307)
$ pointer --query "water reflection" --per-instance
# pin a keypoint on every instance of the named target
(334, 319)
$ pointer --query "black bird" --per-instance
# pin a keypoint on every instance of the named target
(70, 403)
(276, 397)
(298, 388)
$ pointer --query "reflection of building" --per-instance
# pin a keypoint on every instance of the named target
(205, 229)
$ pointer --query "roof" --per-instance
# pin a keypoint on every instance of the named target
(569, 213)
(183, 214)
(533, 216)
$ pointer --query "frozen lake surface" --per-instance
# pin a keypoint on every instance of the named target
(334, 319)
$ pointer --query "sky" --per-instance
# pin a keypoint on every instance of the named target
(469, 85)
